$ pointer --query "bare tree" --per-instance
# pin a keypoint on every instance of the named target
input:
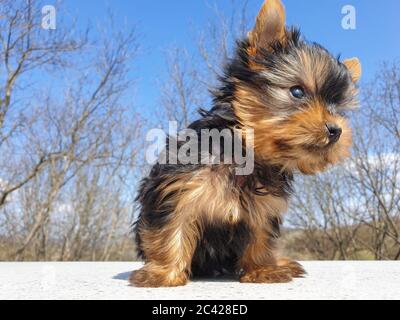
(26, 48)
(191, 75)
(376, 163)
(180, 94)
(68, 147)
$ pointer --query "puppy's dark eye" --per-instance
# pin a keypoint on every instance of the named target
(297, 92)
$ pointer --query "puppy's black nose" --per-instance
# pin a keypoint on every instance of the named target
(334, 132)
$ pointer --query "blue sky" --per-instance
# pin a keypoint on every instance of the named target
(162, 24)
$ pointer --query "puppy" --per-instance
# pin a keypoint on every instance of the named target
(205, 220)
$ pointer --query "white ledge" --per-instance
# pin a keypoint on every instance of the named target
(325, 280)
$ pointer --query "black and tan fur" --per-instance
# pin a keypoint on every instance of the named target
(199, 220)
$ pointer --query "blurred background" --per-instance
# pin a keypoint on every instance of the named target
(77, 98)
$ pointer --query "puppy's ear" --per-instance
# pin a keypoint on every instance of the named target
(354, 66)
(270, 25)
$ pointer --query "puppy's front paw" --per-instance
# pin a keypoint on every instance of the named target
(153, 278)
(269, 274)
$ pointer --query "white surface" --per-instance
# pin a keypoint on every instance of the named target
(325, 280)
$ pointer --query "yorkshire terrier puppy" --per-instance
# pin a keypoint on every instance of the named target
(204, 220)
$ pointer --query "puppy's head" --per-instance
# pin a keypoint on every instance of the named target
(293, 94)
